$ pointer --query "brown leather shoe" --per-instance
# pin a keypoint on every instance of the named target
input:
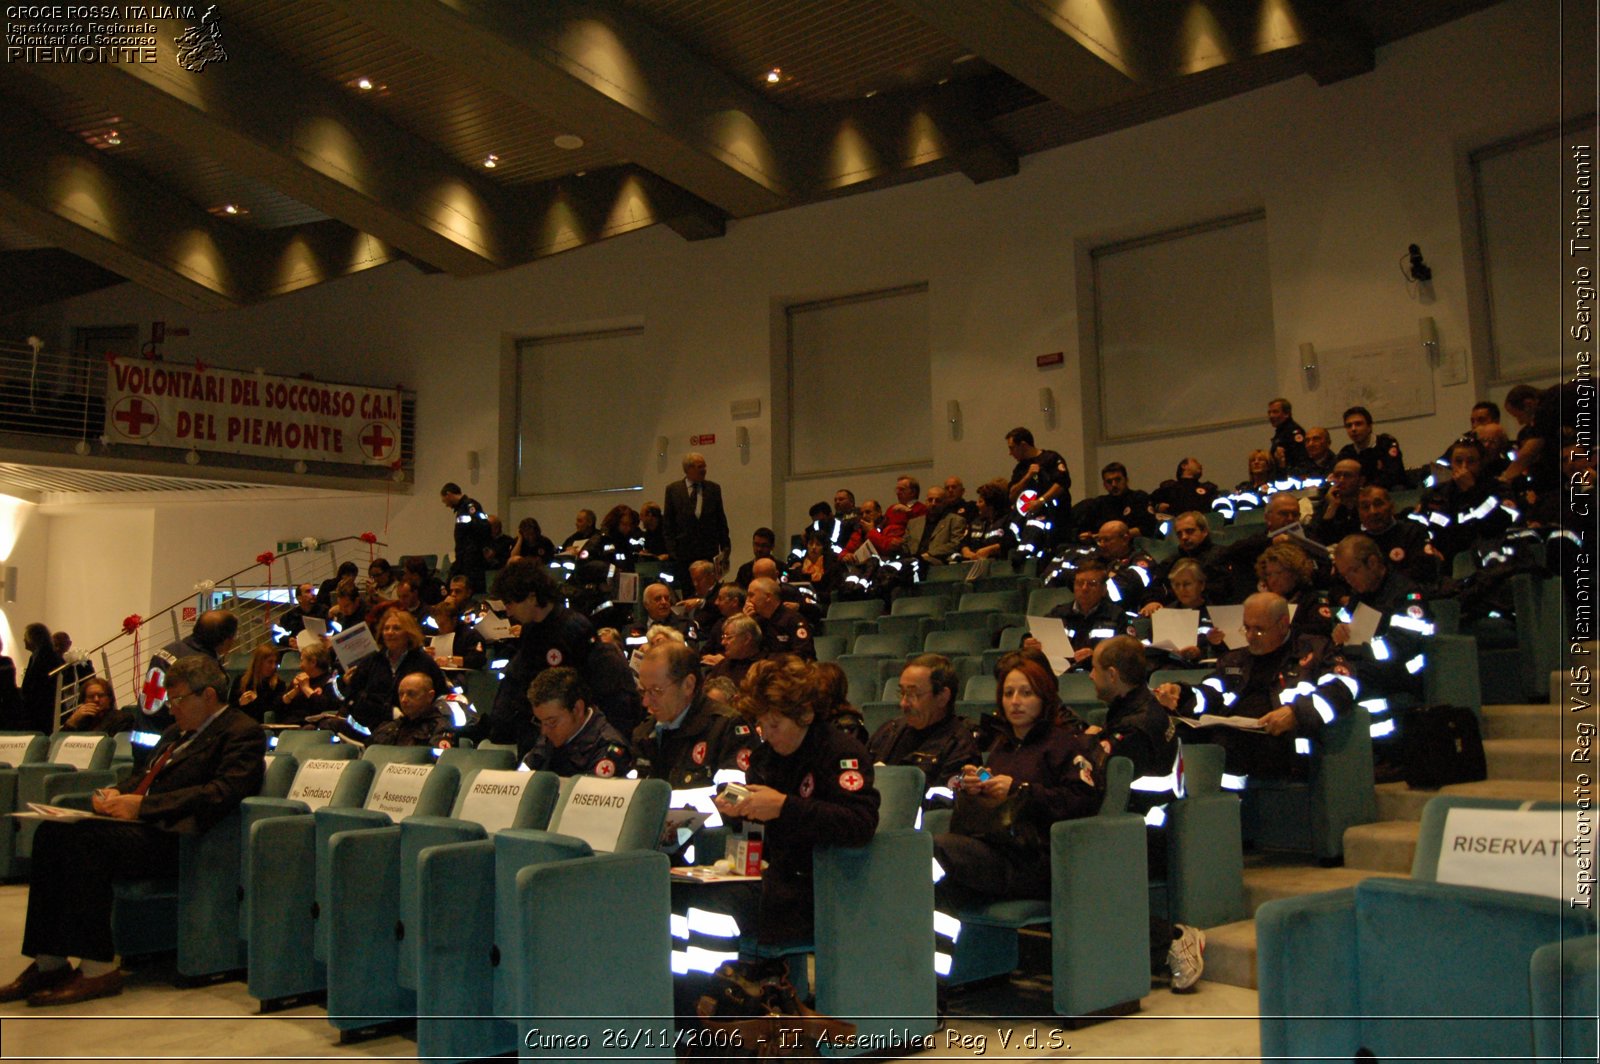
(79, 988)
(32, 980)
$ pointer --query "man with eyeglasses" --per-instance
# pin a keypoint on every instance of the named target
(1293, 685)
(927, 733)
(687, 738)
(204, 765)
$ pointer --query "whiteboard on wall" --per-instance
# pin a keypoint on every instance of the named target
(1181, 319)
(1391, 378)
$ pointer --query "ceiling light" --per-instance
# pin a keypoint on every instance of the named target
(581, 173)
(774, 76)
(967, 58)
(569, 141)
(364, 84)
(231, 208)
(870, 93)
(113, 138)
(491, 161)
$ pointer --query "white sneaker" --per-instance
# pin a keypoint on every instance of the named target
(1186, 958)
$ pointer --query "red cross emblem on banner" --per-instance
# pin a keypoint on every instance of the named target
(132, 415)
(154, 690)
(376, 443)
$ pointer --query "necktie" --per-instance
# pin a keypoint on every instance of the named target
(161, 763)
(694, 499)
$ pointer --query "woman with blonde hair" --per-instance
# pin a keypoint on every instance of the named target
(259, 690)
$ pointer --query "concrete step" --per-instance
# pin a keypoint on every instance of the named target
(1270, 882)
(1522, 722)
(1386, 846)
(1523, 759)
(1231, 954)
(1396, 801)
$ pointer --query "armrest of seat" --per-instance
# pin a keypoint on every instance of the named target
(1306, 968)
(75, 800)
(70, 781)
(1566, 984)
(209, 899)
(31, 778)
(1099, 943)
(456, 954)
(363, 924)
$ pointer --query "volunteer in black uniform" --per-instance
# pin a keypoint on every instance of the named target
(472, 534)
(809, 785)
(1041, 521)
(1288, 446)
(686, 738)
(575, 738)
(551, 635)
(927, 734)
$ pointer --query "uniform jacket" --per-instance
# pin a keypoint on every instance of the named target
(709, 739)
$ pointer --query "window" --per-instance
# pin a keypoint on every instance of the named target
(1520, 199)
(583, 421)
(1181, 317)
(860, 361)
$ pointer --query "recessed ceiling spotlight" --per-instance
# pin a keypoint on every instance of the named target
(229, 210)
(364, 84)
(774, 75)
(870, 93)
(113, 138)
(491, 161)
(232, 208)
(569, 141)
(581, 173)
(944, 81)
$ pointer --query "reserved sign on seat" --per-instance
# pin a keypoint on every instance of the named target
(397, 789)
(595, 810)
(493, 798)
(315, 781)
(1526, 851)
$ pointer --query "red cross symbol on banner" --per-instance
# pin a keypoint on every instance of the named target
(154, 690)
(375, 442)
(133, 415)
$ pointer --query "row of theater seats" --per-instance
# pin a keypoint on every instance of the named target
(457, 892)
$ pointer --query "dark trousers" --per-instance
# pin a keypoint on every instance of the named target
(74, 866)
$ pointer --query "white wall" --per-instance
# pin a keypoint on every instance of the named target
(98, 571)
(25, 545)
(1348, 175)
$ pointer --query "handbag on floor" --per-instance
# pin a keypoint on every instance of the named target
(1440, 745)
(753, 1012)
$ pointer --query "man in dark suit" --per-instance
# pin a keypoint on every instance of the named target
(204, 765)
(694, 524)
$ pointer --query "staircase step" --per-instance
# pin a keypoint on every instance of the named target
(1385, 846)
(1522, 722)
(1271, 882)
(1523, 759)
(1231, 954)
(1396, 801)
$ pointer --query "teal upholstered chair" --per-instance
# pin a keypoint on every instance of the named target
(1099, 943)
(75, 762)
(374, 905)
(474, 935)
(1414, 967)
(16, 748)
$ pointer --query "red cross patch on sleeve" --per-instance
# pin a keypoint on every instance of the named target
(852, 780)
(605, 768)
(742, 759)
(698, 754)
(552, 657)
(807, 785)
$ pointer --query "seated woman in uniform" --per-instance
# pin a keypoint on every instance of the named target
(98, 711)
(1284, 569)
(618, 532)
(373, 684)
(258, 690)
(988, 534)
(1259, 482)
(809, 785)
(1037, 772)
(314, 690)
(1186, 581)
(817, 567)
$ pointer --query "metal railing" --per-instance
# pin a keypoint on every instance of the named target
(255, 594)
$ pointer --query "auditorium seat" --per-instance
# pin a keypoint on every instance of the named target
(1407, 968)
(16, 748)
(75, 762)
(1099, 944)
(374, 904)
(473, 934)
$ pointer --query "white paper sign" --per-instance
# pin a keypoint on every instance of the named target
(77, 750)
(13, 748)
(1364, 623)
(627, 587)
(1053, 640)
(595, 810)
(315, 633)
(353, 645)
(1174, 629)
(1508, 849)
(315, 781)
(493, 798)
(1229, 620)
(443, 645)
(397, 789)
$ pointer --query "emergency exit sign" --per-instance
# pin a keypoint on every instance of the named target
(703, 441)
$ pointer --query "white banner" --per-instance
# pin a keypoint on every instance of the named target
(1511, 849)
(164, 405)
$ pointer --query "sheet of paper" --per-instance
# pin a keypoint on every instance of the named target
(444, 645)
(493, 628)
(1229, 620)
(627, 587)
(1053, 640)
(354, 644)
(1174, 629)
(1364, 624)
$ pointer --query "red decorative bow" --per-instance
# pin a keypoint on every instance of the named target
(131, 623)
(266, 558)
(130, 626)
(370, 538)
